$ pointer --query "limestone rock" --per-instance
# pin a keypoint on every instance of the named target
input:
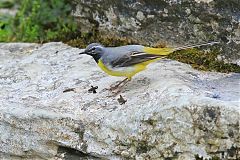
(177, 23)
(171, 111)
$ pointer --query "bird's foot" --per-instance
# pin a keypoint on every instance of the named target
(120, 84)
(116, 89)
(113, 87)
(115, 93)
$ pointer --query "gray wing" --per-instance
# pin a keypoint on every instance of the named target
(127, 56)
(133, 58)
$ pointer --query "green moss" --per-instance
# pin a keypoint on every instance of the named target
(85, 39)
(206, 61)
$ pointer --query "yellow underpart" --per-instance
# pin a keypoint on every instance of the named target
(136, 68)
(158, 51)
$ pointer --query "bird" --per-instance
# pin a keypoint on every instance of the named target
(126, 61)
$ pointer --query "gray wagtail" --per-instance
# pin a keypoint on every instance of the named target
(126, 61)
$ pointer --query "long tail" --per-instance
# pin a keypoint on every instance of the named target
(195, 46)
(167, 51)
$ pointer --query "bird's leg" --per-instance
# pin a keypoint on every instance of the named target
(117, 85)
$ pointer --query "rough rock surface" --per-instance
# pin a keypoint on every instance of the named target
(171, 111)
(179, 22)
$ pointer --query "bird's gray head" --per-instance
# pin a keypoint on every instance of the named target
(95, 50)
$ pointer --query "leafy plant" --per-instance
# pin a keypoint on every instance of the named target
(40, 20)
(6, 4)
(5, 27)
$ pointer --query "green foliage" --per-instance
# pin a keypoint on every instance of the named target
(5, 28)
(41, 21)
(6, 4)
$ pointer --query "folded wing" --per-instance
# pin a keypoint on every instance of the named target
(133, 58)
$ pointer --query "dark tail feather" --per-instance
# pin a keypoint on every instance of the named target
(195, 46)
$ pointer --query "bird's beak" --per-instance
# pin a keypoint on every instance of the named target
(84, 52)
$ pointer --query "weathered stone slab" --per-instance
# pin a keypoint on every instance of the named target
(171, 111)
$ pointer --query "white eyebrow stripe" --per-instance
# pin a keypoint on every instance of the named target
(95, 47)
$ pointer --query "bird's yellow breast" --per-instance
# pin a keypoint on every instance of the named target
(124, 71)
